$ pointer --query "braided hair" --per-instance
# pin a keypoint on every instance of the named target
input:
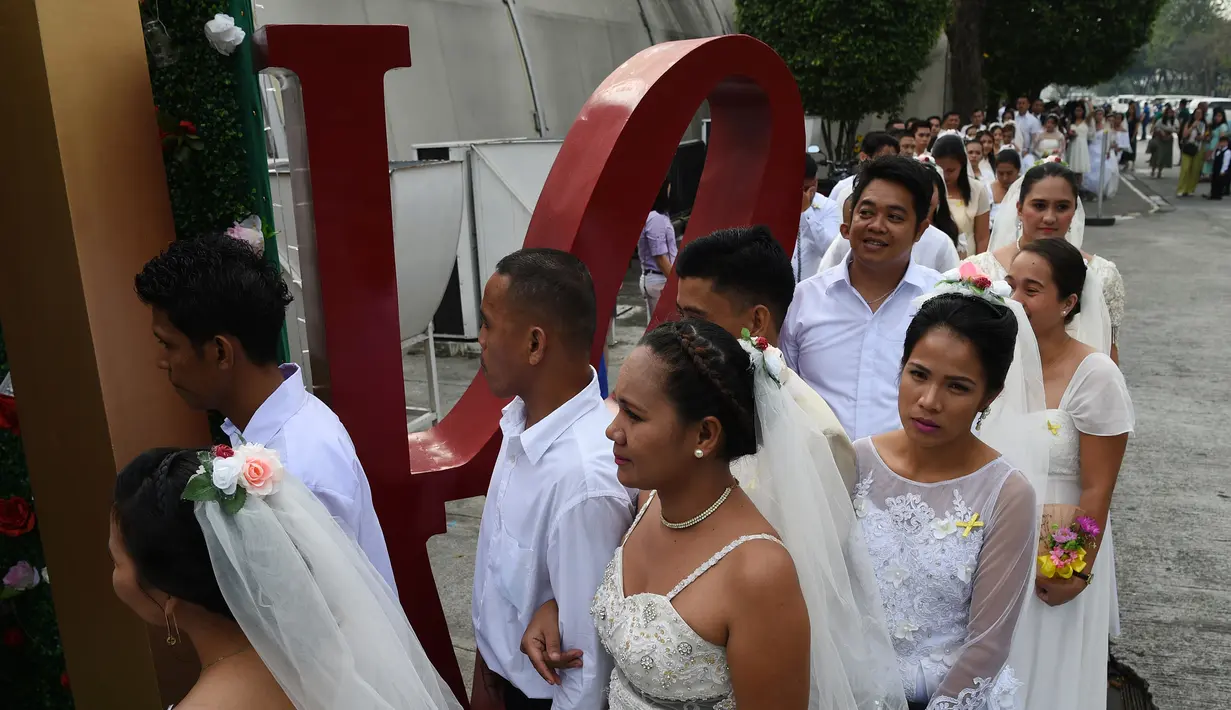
(708, 375)
(161, 532)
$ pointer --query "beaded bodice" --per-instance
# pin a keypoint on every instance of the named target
(660, 662)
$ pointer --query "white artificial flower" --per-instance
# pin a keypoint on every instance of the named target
(861, 507)
(223, 35)
(774, 364)
(905, 630)
(945, 656)
(46, 576)
(965, 572)
(896, 574)
(1002, 289)
(226, 474)
(943, 528)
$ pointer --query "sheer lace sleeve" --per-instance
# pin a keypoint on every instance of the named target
(1113, 294)
(1098, 398)
(979, 677)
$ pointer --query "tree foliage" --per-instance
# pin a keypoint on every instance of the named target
(1189, 52)
(1028, 44)
(850, 59)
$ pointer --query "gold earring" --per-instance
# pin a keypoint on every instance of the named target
(172, 637)
(699, 454)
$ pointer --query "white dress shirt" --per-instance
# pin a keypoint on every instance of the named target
(810, 244)
(554, 515)
(848, 354)
(934, 250)
(315, 447)
(1026, 127)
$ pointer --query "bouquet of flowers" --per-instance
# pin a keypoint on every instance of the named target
(1066, 536)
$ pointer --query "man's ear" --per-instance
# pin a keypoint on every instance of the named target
(762, 322)
(222, 350)
(538, 345)
(845, 229)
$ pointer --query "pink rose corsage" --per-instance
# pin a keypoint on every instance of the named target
(228, 476)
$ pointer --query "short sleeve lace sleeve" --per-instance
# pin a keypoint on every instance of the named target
(1098, 400)
(1113, 293)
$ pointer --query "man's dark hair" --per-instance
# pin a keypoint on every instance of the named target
(934, 118)
(556, 286)
(662, 203)
(810, 167)
(953, 113)
(907, 172)
(876, 141)
(897, 134)
(744, 263)
(889, 125)
(218, 285)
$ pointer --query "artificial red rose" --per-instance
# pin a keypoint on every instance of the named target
(64, 679)
(16, 516)
(189, 127)
(8, 414)
(222, 451)
(982, 282)
(760, 343)
(13, 637)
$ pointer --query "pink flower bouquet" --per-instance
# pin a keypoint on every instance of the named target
(1066, 536)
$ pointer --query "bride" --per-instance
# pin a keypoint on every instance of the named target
(284, 610)
(766, 597)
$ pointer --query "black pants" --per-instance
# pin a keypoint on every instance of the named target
(916, 706)
(514, 699)
(1218, 186)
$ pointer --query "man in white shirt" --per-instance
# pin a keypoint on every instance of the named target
(555, 510)
(934, 249)
(218, 307)
(923, 137)
(976, 119)
(811, 241)
(875, 145)
(846, 327)
(1027, 126)
(740, 278)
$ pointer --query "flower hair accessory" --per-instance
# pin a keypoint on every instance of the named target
(249, 231)
(763, 355)
(968, 280)
(227, 476)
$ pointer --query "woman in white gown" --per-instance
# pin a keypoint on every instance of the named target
(682, 608)
(949, 522)
(1064, 629)
(1104, 158)
(283, 608)
(1079, 141)
(1051, 141)
(1008, 169)
(969, 200)
(1048, 207)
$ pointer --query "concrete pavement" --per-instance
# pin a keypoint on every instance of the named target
(1172, 508)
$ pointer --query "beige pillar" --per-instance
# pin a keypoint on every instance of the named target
(83, 203)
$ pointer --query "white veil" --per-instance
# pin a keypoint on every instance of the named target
(1007, 228)
(1092, 324)
(795, 484)
(320, 616)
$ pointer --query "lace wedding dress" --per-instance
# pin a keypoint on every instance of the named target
(953, 561)
(1070, 641)
(660, 662)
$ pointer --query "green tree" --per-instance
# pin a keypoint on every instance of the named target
(850, 59)
(1029, 44)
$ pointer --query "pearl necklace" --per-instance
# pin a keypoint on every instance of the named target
(704, 514)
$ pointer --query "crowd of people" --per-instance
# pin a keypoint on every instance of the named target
(822, 487)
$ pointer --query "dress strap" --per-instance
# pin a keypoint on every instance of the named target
(637, 519)
(718, 558)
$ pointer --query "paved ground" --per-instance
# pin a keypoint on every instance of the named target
(1173, 505)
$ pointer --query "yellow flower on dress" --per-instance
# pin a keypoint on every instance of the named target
(1053, 428)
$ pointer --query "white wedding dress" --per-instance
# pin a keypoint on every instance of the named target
(952, 598)
(1070, 640)
(660, 662)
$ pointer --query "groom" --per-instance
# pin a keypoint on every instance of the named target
(218, 307)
